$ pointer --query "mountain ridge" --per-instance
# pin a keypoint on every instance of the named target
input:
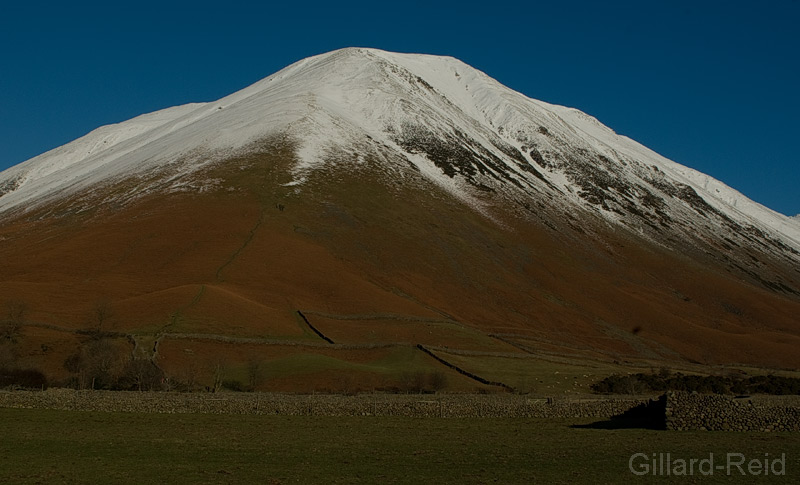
(484, 107)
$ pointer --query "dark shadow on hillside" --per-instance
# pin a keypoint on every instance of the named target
(649, 415)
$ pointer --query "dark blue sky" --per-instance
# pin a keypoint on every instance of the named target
(709, 84)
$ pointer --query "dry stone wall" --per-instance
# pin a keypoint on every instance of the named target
(692, 411)
(680, 410)
(413, 405)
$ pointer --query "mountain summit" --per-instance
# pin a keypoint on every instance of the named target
(463, 130)
(369, 188)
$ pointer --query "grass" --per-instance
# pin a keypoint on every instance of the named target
(530, 374)
(39, 446)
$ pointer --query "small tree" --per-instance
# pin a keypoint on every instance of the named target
(437, 381)
(101, 314)
(189, 375)
(414, 382)
(255, 373)
(11, 325)
(632, 385)
(142, 375)
(218, 376)
(97, 364)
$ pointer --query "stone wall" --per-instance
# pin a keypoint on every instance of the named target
(413, 405)
(692, 411)
(680, 410)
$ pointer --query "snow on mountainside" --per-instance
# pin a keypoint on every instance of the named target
(460, 128)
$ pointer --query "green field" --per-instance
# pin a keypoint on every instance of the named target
(45, 446)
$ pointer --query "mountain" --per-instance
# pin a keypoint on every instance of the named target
(332, 217)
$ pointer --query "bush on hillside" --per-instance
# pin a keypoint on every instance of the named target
(22, 379)
(665, 381)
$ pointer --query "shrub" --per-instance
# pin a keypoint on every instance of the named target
(22, 378)
(233, 385)
(617, 384)
(141, 375)
(422, 382)
(97, 364)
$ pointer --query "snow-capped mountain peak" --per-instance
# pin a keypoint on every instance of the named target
(462, 130)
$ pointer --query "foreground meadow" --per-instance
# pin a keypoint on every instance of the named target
(47, 446)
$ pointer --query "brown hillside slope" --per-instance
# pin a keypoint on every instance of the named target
(369, 261)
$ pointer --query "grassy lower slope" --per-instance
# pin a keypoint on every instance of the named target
(371, 259)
